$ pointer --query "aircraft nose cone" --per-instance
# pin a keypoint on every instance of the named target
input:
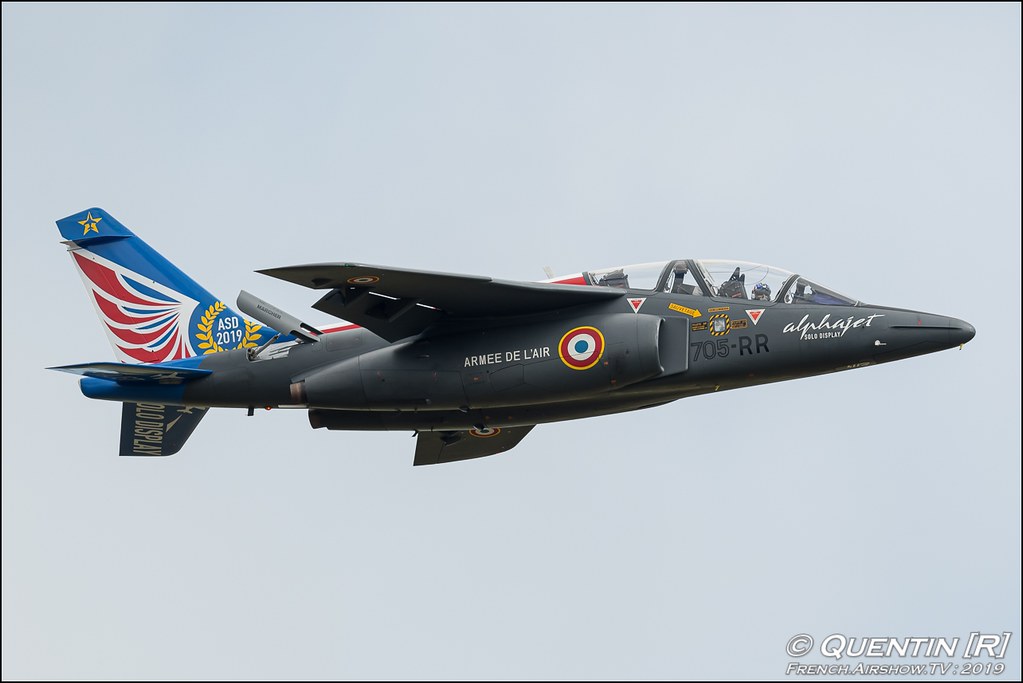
(961, 331)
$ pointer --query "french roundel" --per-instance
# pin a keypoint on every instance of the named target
(581, 348)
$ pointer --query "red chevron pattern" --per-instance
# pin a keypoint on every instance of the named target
(146, 323)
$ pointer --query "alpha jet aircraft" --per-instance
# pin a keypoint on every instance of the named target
(469, 363)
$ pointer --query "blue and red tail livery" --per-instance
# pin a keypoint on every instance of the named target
(151, 311)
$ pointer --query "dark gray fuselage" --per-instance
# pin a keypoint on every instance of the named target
(506, 372)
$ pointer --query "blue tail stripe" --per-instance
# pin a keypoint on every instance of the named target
(156, 323)
(160, 342)
(147, 291)
(146, 311)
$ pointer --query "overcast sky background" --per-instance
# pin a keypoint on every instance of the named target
(873, 148)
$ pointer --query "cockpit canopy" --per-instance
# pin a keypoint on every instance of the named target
(725, 279)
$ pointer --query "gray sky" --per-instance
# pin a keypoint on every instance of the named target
(874, 148)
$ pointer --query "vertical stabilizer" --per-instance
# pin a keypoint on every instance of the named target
(151, 311)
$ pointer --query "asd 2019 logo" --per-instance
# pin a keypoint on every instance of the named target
(218, 333)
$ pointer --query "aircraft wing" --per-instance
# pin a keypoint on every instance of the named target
(433, 448)
(395, 304)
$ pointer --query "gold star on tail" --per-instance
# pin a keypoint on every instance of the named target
(90, 224)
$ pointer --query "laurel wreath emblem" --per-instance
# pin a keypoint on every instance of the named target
(205, 334)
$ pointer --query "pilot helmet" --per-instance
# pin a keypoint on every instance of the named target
(761, 291)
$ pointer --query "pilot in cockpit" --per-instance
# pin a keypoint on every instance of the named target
(761, 292)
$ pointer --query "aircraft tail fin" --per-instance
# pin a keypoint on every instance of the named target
(151, 311)
(157, 429)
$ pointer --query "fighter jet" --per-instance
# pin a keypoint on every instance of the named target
(468, 363)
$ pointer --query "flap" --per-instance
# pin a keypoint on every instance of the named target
(433, 448)
(395, 304)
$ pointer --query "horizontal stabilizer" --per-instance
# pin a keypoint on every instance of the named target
(120, 372)
(433, 448)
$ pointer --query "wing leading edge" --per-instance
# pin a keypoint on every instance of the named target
(395, 304)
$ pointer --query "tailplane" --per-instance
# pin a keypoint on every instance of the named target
(151, 311)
